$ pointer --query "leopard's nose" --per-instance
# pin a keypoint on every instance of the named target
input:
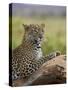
(40, 36)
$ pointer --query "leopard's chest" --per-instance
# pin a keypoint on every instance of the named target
(33, 54)
(38, 54)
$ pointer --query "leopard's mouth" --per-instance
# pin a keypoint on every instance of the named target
(38, 46)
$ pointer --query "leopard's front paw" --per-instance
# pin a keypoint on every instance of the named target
(58, 53)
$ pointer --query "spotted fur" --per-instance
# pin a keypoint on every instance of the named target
(28, 56)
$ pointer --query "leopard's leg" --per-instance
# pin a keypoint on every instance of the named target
(38, 64)
(53, 54)
(48, 57)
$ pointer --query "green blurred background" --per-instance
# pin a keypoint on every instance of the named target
(55, 25)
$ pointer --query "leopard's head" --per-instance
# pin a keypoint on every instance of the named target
(34, 33)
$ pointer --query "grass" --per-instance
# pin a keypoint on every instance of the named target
(54, 37)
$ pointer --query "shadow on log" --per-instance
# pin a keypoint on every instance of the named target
(51, 72)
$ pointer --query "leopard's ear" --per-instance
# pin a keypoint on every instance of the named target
(26, 27)
(43, 25)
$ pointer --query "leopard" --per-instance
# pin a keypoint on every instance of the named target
(28, 57)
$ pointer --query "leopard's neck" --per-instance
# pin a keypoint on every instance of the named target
(29, 47)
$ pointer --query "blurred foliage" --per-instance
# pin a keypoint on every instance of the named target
(54, 37)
